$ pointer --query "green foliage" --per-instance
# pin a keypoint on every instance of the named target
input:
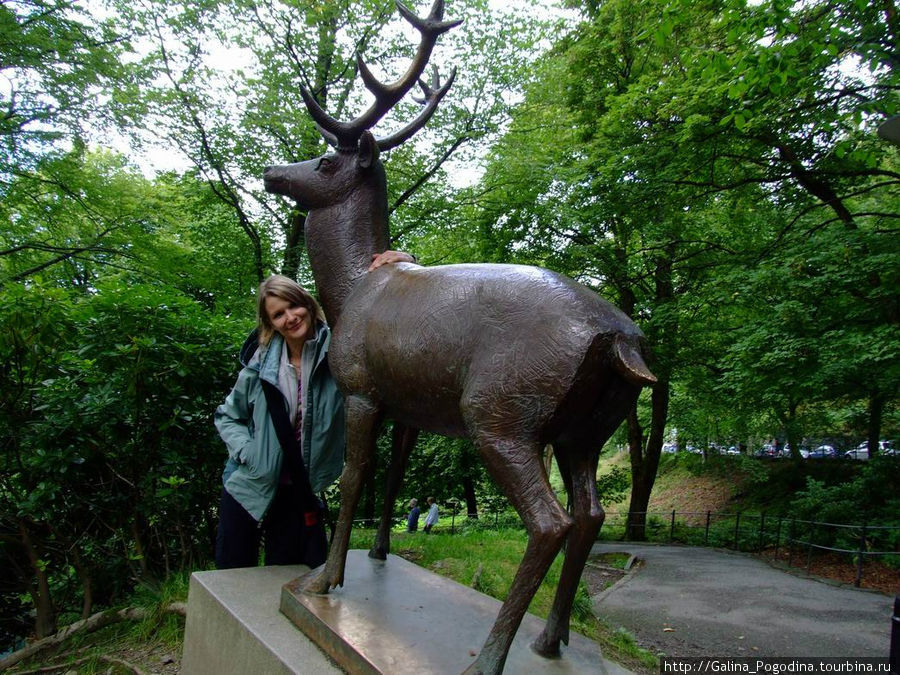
(55, 57)
(873, 496)
(612, 487)
(710, 167)
(110, 463)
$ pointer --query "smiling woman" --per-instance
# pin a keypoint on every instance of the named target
(274, 464)
(283, 425)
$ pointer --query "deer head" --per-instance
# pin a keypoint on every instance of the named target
(332, 178)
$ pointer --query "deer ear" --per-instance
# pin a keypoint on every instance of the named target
(368, 150)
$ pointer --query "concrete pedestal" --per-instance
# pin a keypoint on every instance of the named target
(234, 627)
(392, 618)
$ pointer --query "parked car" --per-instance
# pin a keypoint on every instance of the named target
(861, 451)
(669, 448)
(767, 451)
(786, 453)
(823, 452)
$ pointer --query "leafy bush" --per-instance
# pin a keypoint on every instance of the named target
(872, 497)
(613, 487)
(111, 469)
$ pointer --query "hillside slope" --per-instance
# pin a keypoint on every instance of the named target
(687, 483)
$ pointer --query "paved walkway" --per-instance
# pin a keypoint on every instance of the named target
(685, 601)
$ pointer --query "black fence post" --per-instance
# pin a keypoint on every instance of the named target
(809, 545)
(672, 527)
(737, 527)
(778, 536)
(762, 531)
(790, 542)
(862, 555)
(706, 535)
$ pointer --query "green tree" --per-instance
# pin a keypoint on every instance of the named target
(230, 124)
(694, 141)
(55, 58)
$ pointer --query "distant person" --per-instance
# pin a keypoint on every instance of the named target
(283, 426)
(412, 520)
(432, 517)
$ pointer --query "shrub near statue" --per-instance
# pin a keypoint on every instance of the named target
(510, 356)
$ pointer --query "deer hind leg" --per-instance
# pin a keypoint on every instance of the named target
(402, 444)
(516, 466)
(362, 425)
(579, 471)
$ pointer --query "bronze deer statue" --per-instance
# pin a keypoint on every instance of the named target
(512, 357)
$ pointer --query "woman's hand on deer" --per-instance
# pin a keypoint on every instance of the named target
(387, 257)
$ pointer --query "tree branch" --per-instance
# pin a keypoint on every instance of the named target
(93, 623)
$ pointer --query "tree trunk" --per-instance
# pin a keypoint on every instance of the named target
(788, 421)
(45, 613)
(636, 520)
(87, 586)
(139, 547)
(293, 250)
(471, 501)
(645, 460)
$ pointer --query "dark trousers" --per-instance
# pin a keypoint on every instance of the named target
(286, 537)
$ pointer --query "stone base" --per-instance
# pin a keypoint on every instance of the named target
(397, 618)
(234, 627)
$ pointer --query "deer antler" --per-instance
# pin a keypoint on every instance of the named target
(346, 135)
(432, 96)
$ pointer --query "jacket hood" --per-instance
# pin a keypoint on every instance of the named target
(251, 344)
(251, 347)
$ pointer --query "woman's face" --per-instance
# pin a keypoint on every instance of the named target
(292, 321)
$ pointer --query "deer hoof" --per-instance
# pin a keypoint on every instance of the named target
(377, 553)
(546, 647)
(316, 581)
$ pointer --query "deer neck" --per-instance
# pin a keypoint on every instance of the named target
(341, 240)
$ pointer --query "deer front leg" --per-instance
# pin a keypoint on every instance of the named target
(579, 473)
(403, 442)
(517, 468)
(362, 422)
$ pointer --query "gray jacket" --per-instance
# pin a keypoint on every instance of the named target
(253, 468)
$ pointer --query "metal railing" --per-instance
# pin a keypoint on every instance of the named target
(760, 532)
(741, 531)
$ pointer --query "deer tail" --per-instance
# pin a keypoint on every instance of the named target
(629, 362)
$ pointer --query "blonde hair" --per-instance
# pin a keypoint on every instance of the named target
(280, 286)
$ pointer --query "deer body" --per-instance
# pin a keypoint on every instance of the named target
(470, 340)
(513, 357)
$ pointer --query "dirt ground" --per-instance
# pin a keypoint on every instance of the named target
(834, 567)
(598, 576)
(119, 659)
